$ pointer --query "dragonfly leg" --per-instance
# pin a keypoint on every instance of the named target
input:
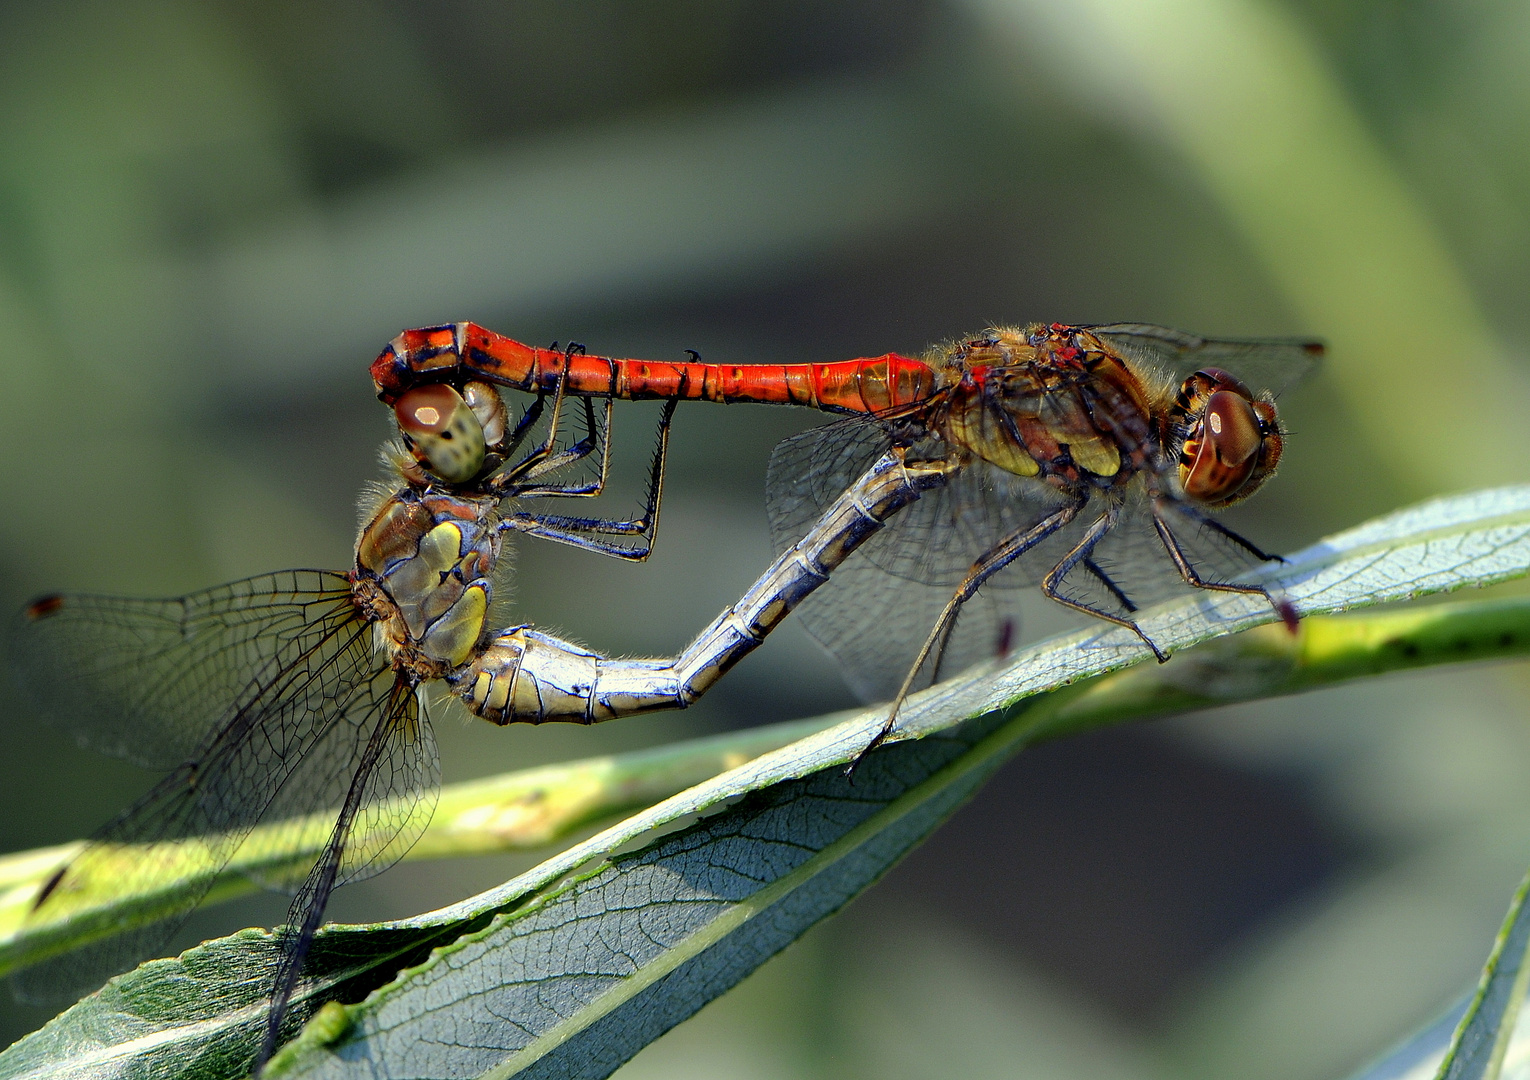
(516, 480)
(1083, 555)
(576, 532)
(995, 559)
(524, 468)
(525, 676)
(584, 532)
(1110, 584)
(1094, 568)
(512, 442)
(1216, 526)
(1283, 607)
(564, 458)
(595, 487)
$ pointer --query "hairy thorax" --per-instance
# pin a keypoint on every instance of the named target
(1074, 418)
(424, 565)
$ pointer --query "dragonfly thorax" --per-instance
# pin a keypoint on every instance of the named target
(424, 565)
(1059, 407)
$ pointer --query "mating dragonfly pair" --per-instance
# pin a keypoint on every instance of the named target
(1085, 459)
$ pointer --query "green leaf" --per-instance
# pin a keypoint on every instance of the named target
(570, 969)
(1475, 1037)
(1482, 1038)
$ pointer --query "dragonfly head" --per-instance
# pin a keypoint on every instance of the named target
(450, 433)
(1229, 439)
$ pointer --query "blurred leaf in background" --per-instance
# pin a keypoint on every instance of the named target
(213, 214)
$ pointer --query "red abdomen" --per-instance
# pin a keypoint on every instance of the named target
(461, 351)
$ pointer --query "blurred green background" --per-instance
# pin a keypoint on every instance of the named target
(213, 215)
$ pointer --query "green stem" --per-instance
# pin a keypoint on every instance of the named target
(523, 810)
(536, 808)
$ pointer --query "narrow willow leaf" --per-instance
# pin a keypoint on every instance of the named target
(1482, 1039)
(573, 967)
(1479, 1038)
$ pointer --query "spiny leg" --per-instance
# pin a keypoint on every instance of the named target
(523, 426)
(939, 651)
(1110, 585)
(598, 432)
(583, 532)
(533, 411)
(513, 481)
(991, 562)
(1082, 554)
(1283, 607)
(524, 467)
(1216, 526)
(578, 452)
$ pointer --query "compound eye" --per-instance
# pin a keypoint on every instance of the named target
(1229, 438)
(489, 408)
(1232, 427)
(442, 431)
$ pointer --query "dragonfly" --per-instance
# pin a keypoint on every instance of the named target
(1087, 460)
(293, 700)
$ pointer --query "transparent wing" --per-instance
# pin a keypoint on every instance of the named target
(811, 469)
(397, 795)
(1273, 364)
(151, 680)
(935, 540)
(289, 743)
(876, 610)
(874, 624)
(392, 806)
(388, 771)
(1131, 568)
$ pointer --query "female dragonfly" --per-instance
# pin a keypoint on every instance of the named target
(295, 696)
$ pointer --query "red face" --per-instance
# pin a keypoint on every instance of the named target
(1232, 440)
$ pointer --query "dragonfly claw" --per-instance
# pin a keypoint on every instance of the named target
(881, 737)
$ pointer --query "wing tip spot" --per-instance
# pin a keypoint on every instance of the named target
(48, 886)
(45, 606)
